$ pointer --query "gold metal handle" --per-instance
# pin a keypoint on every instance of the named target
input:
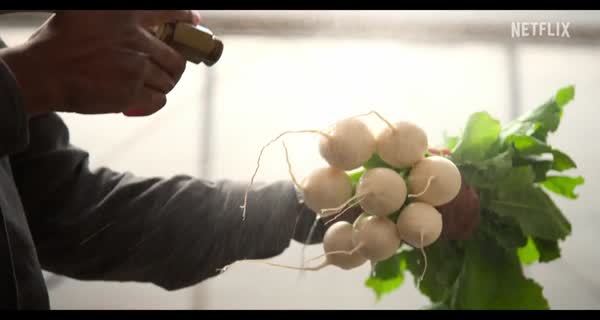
(197, 44)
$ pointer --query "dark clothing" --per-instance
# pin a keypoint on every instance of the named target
(58, 215)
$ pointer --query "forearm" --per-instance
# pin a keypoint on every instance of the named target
(173, 233)
(103, 225)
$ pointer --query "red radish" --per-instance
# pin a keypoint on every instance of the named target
(461, 216)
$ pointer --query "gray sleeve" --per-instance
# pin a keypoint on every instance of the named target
(105, 225)
(14, 135)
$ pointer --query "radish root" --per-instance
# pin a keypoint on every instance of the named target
(244, 206)
(345, 210)
(331, 211)
(308, 238)
(424, 263)
(425, 190)
(351, 252)
(389, 124)
(287, 159)
(315, 268)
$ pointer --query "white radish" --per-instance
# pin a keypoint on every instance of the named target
(435, 179)
(401, 144)
(378, 237)
(323, 189)
(326, 188)
(337, 244)
(348, 145)
(382, 191)
(419, 224)
(340, 250)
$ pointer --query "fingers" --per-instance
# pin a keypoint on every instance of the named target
(152, 95)
(148, 102)
(157, 17)
(304, 224)
(152, 81)
(156, 78)
(171, 61)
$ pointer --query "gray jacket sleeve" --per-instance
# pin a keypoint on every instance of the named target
(176, 232)
(14, 134)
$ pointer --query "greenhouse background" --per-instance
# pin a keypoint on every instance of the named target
(305, 69)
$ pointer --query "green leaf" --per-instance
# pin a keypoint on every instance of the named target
(492, 279)
(541, 120)
(529, 253)
(382, 287)
(479, 138)
(526, 145)
(540, 169)
(355, 176)
(390, 268)
(387, 275)
(505, 230)
(450, 142)
(562, 161)
(565, 95)
(548, 250)
(539, 250)
(516, 196)
(376, 162)
(443, 266)
(484, 174)
(563, 185)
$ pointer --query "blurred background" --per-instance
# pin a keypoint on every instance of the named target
(306, 69)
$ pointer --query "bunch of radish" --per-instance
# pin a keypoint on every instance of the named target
(398, 202)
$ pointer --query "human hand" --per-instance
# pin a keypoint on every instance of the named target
(95, 62)
(307, 218)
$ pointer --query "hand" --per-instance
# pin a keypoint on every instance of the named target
(95, 62)
(307, 218)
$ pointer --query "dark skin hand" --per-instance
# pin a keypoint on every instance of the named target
(97, 62)
(302, 230)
